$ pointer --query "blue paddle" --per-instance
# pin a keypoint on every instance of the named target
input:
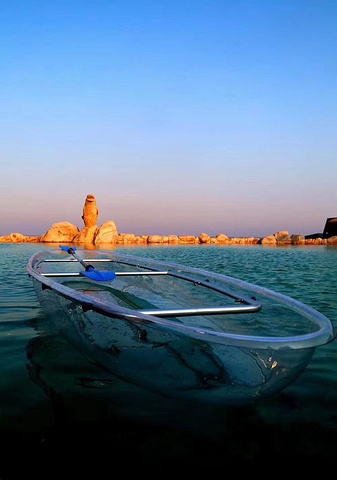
(90, 271)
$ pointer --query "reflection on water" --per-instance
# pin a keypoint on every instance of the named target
(89, 408)
(57, 406)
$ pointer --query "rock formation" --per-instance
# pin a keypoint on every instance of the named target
(173, 239)
(204, 238)
(107, 233)
(269, 240)
(332, 240)
(86, 235)
(61, 232)
(90, 211)
(283, 238)
(155, 239)
(188, 239)
(298, 239)
(90, 215)
(19, 238)
(222, 238)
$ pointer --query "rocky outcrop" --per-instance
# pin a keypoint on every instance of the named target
(223, 239)
(244, 240)
(61, 232)
(269, 240)
(155, 239)
(19, 238)
(90, 211)
(332, 240)
(90, 215)
(317, 241)
(283, 238)
(298, 239)
(86, 235)
(173, 239)
(204, 238)
(107, 233)
(127, 238)
(16, 237)
(278, 238)
(188, 239)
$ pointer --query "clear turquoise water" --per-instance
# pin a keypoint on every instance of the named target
(51, 398)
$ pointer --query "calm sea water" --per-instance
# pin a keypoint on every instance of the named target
(57, 407)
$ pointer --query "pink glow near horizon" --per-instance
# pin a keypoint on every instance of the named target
(165, 217)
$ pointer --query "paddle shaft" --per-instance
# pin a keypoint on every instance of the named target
(90, 271)
(79, 259)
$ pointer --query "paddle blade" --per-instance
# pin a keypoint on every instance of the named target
(99, 276)
(66, 249)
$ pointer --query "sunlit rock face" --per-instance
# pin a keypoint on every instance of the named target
(297, 239)
(61, 232)
(269, 240)
(222, 238)
(204, 238)
(90, 215)
(107, 233)
(86, 235)
(90, 211)
(332, 240)
(188, 239)
(282, 237)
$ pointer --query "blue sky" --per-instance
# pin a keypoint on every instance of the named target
(181, 117)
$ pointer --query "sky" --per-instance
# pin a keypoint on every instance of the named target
(181, 117)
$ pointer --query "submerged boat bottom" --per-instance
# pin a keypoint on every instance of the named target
(168, 362)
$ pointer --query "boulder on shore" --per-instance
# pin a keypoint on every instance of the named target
(188, 239)
(61, 232)
(19, 238)
(222, 238)
(282, 237)
(204, 238)
(107, 233)
(332, 240)
(297, 239)
(269, 240)
(86, 235)
(16, 237)
(173, 239)
(126, 238)
(155, 239)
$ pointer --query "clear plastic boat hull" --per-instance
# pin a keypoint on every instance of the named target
(179, 331)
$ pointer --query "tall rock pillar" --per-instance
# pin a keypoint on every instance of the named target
(90, 216)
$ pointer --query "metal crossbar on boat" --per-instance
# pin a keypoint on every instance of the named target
(247, 305)
(118, 274)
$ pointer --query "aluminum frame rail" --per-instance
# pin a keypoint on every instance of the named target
(118, 274)
(250, 305)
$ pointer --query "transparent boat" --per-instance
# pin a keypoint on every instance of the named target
(178, 331)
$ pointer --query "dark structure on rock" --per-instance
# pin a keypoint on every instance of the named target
(330, 229)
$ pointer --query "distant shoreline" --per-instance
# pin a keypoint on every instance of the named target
(279, 238)
(107, 234)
